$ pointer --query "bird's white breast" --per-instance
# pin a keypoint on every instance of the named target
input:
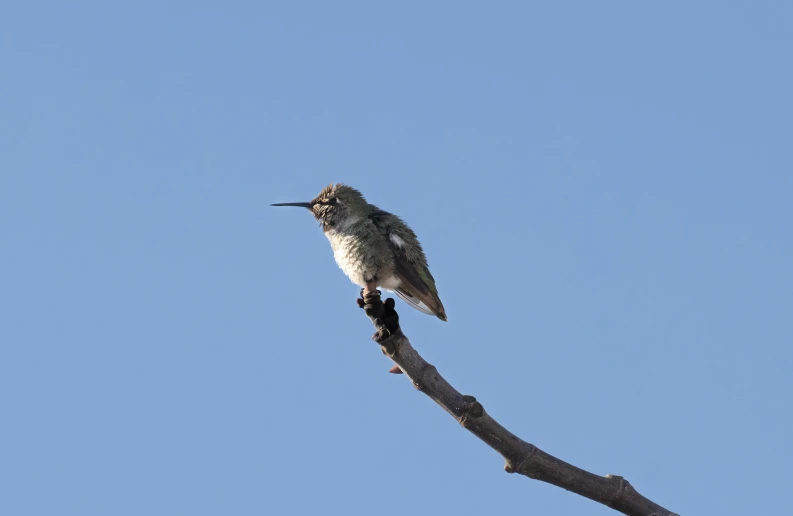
(360, 263)
(349, 256)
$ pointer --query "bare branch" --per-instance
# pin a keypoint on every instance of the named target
(519, 456)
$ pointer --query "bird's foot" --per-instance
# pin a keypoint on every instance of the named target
(368, 298)
(382, 314)
(369, 292)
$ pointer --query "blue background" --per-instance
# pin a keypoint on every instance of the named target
(603, 191)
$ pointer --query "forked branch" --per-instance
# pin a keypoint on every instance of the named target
(519, 456)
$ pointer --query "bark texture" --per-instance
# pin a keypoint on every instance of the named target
(519, 456)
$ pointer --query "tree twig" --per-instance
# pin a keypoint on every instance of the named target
(519, 456)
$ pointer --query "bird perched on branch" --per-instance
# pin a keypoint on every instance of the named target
(374, 248)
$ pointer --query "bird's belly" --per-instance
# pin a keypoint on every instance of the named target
(390, 282)
(358, 263)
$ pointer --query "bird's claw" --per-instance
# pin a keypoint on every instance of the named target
(368, 294)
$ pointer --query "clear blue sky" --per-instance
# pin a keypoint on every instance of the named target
(603, 190)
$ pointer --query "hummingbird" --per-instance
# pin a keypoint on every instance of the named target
(374, 248)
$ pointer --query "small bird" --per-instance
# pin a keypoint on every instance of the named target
(374, 247)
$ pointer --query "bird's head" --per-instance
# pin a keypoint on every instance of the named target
(334, 205)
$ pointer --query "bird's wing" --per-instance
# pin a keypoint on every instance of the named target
(417, 286)
(413, 301)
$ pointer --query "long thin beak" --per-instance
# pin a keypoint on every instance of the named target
(300, 204)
